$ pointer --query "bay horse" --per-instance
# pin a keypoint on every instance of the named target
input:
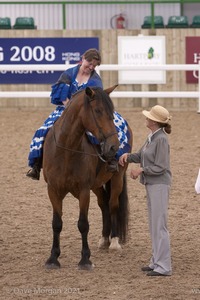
(72, 164)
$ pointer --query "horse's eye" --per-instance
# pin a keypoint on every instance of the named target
(98, 111)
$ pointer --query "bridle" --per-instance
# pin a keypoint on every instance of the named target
(104, 139)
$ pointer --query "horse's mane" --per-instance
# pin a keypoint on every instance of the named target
(104, 99)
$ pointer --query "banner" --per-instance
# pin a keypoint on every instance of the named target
(40, 51)
(192, 57)
(141, 51)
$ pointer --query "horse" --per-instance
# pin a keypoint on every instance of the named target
(72, 164)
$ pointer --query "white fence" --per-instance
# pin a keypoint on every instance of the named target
(114, 67)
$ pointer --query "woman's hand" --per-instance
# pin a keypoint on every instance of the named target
(135, 173)
(123, 159)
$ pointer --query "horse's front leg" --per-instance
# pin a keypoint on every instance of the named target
(52, 262)
(83, 226)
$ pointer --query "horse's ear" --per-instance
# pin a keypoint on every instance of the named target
(109, 90)
(89, 92)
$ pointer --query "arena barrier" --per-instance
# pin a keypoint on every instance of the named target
(105, 67)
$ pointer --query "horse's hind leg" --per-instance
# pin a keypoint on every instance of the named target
(119, 211)
(52, 262)
(103, 202)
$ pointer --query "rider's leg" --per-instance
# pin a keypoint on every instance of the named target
(36, 147)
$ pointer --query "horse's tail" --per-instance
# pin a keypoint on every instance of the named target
(123, 212)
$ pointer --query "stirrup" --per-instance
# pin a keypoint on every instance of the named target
(33, 174)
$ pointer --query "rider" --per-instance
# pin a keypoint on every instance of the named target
(72, 80)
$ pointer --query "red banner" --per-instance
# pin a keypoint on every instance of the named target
(192, 57)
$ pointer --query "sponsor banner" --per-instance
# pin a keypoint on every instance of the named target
(141, 51)
(40, 51)
(192, 57)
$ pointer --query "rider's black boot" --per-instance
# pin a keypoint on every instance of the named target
(34, 173)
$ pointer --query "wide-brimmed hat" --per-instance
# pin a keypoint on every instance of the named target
(158, 114)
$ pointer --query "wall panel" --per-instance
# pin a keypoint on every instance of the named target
(175, 52)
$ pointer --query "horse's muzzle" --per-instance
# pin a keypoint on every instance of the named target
(109, 150)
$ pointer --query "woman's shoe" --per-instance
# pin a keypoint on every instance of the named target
(146, 269)
(154, 273)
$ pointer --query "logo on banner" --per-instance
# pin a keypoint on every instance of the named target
(151, 53)
(141, 51)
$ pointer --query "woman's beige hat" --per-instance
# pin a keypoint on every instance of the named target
(158, 114)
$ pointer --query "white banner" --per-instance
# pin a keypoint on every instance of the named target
(141, 51)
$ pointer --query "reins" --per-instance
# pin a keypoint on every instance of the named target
(77, 151)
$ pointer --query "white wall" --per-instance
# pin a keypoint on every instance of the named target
(85, 16)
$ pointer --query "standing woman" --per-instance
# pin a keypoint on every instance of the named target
(155, 174)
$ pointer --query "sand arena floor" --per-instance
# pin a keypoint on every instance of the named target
(26, 214)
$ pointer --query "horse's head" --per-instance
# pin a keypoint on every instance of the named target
(98, 119)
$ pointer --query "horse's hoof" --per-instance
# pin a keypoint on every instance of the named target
(114, 245)
(52, 265)
(104, 243)
(87, 267)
